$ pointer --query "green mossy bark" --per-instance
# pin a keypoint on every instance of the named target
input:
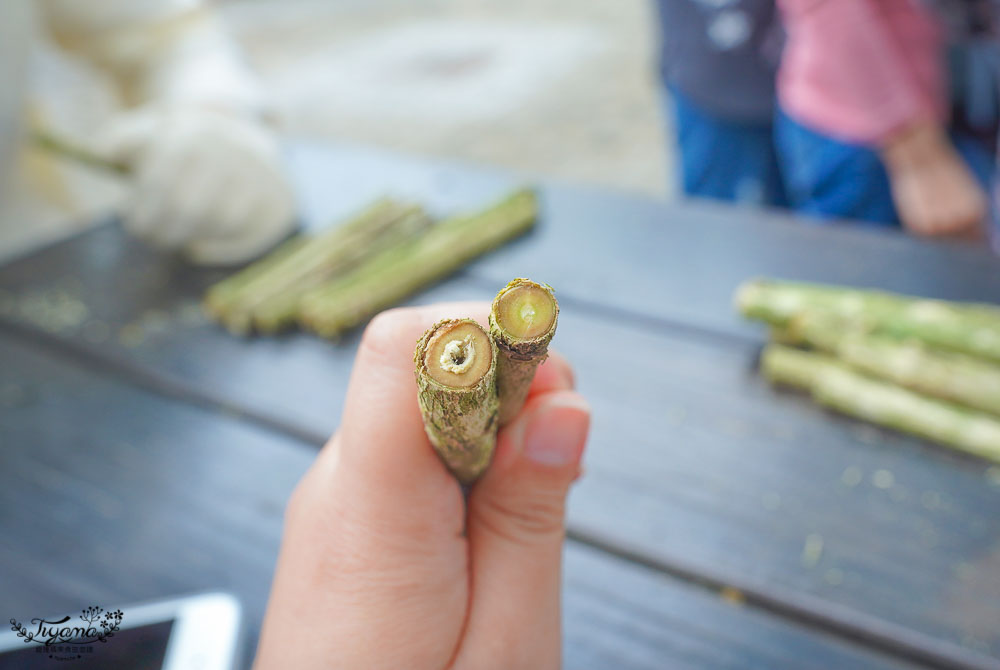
(265, 295)
(461, 423)
(280, 311)
(959, 378)
(518, 359)
(222, 295)
(969, 328)
(841, 388)
(397, 272)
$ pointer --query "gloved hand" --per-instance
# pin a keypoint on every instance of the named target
(206, 182)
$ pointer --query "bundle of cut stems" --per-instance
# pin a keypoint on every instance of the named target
(840, 387)
(336, 280)
(928, 367)
(948, 375)
(399, 271)
(968, 328)
(265, 296)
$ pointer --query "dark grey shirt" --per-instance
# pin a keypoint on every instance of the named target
(722, 55)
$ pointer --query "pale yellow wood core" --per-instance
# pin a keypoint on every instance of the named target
(525, 311)
(458, 355)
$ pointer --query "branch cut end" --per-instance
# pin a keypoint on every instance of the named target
(458, 354)
(525, 310)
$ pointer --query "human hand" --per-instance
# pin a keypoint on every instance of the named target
(206, 182)
(934, 191)
(383, 565)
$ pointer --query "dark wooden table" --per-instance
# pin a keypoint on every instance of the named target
(146, 453)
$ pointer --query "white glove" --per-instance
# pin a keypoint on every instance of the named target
(206, 182)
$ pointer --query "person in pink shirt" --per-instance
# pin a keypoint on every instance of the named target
(866, 128)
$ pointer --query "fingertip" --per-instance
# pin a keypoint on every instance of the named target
(551, 430)
(554, 374)
(557, 434)
(386, 335)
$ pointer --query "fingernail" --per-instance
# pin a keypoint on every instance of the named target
(558, 431)
(569, 377)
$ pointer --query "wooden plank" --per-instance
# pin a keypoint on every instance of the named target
(717, 472)
(701, 469)
(693, 462)
(111, 494)
(665, 623)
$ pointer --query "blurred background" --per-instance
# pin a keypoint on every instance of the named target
(882, 114)
(186, 134)
(549, 87)
(554, 88)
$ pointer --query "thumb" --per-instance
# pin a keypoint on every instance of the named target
(126, 137)
(515, 528)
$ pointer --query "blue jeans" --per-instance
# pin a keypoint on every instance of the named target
(725, 160)
(785, 163)
(830, 179)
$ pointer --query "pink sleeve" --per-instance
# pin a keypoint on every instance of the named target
(860, 69)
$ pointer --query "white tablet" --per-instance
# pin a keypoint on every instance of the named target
(200, 632)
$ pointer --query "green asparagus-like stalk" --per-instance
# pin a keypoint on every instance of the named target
(397, 272)
(265, 295)
(959, 378)
(837, 386)
(523, 320)
(456, 389)
(968, 328)
(324, 254)
(279, 311)
(227, 292)
(971, 330)
(49, 141)
(776, 302)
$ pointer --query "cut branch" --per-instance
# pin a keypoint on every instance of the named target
(266, 295)
(397, 272)
(456, 390)
(969, 328)
(839, 387)
(959, 378)
(523, 320)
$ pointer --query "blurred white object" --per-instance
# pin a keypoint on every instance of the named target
(207, 182)
(443, 73)
(194, 128)
(165, 50)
